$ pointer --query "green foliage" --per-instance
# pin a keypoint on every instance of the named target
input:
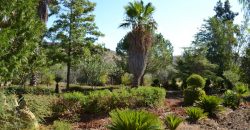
(192, 95)
(126, 79)
(231, 99)
(134, 120)
(21, 31)
(39, 90)
(9, 116)
(98, 102)
(210, 104)
(75, 31)
(93, 71)
(195, 113)
(149, 96)
(241, 88)
(61, 125)
(147, 80)
(40, 105)
(173, 121)
(195, 81)
(103, 101)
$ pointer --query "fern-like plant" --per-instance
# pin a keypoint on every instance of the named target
(195, 113)
(173, 121)
(241, 89)
(127, 119)
(210, 104)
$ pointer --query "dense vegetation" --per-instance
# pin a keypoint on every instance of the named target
(53, 77)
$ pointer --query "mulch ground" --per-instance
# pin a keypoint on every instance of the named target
(231, 120)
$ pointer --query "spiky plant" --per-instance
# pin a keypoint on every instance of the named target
(134, 120)
(195, 113)
(173, 121)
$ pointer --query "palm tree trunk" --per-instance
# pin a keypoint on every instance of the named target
(33, 79)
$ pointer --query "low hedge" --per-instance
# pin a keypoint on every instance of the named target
(103, 101)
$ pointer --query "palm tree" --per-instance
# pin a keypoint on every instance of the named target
(139, 19)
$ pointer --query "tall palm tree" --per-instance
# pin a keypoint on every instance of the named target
(139, 19)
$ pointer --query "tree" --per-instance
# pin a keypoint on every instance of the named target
(218, 37)
(246, 7)
(139, 18)
(245, 65)
(20, 33)
(74, 31)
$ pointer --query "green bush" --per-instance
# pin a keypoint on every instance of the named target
(241, 89)
(61, 125)
(134, 120)
(173, 121)
(122, 98)
(231, 99)
(126, 79)
(195, 113)
(74, 96)
(147, 78)
(40, 105)
(98, 102)
(192, 95)
(9, 117)
(195, 81)
(149, 96)
(210, 104)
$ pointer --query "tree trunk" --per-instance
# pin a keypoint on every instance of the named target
(68, 74)
(33, 79)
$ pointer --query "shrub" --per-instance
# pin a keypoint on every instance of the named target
(195, 113)
(74, 96)
(231, 99)
(210, 104)
(147, 78)
(195, 81)
(61, 125)
(126, 79)
(173, 121)
(122, 98)
(192, 95)
(241, 89)
(98, 102)
(134, 120)
(149, 96)
(40, 105)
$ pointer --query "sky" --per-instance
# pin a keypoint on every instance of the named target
(178, 20)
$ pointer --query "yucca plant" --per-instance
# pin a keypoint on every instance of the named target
(173, 121)
(195, 113)
(127, 119)
(210, 104)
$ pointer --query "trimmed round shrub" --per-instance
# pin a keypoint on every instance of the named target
(134, 120)
(195, 81)
(231, 99)
(192, 95)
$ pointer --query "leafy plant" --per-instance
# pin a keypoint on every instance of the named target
(149, 96)
(195, 81)
(134, 120)
(126, 79)
(173, 121)
(191, 95)
(195, 113)
(241, 89)
(210, 104)
(61, 125)
(231, 99)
